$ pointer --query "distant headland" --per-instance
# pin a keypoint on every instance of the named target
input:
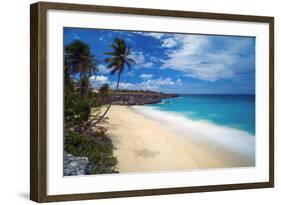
(137, 97)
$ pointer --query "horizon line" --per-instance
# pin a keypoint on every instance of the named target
(212, 93)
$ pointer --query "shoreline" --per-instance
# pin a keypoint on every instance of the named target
(144, 143)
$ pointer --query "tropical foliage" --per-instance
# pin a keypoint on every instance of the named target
(104, 93)
(79, 61)
(98, 150)
(82, 105)
(120, 58)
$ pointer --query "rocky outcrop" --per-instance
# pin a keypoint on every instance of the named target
(138, 98)
(76, 165)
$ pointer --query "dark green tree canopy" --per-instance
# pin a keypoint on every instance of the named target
(78, 59)
(120, 56)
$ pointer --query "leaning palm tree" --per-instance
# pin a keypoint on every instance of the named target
(120, 58)
(79, 60)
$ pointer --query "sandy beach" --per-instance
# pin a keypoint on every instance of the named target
(143, 144)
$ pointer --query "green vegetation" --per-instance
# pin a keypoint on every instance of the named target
(98, 149)
(77, 111)
(95, 145)
(82, 106)
(79, 60)
(104, 93)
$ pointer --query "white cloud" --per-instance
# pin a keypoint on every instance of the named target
(130, 73)
(169, 42)
(138, 57)
(147, 65)
(154, 59)
(148, 84)
(164, 38)
(98, 80)
(77, 37)
(141, 61)
(163, 81)
(146, 76)
(101, 78)
(179, 82)
(195, 60)
(157, 84)
(102, 69)
(123, 85)
(154, 35)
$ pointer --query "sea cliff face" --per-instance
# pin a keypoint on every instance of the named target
(138, 98)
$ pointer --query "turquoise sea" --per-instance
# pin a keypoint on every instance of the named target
(228, 121)
(234, 111)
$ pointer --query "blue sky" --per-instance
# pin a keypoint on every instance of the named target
(176, 63)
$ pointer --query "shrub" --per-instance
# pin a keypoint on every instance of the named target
(77, 110)
(98, 150)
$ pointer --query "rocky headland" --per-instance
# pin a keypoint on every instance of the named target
(135, 98)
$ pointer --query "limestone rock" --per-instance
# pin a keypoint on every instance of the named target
(76, 165)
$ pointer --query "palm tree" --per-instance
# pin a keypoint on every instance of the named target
(78, 57)
(120, 58)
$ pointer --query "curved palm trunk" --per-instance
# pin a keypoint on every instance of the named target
(107, 109)
(81, 83)
(81, 87)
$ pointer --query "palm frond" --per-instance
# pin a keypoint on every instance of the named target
(119, 58)
(128, 65)
(130, 60)
(110, 53)
(113, 64)
(113, 71)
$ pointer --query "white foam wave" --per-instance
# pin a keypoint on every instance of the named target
(232, 139)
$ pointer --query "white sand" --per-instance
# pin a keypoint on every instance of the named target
(142, 144)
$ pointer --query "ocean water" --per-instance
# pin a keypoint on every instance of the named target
(234, 111)
(224, 120)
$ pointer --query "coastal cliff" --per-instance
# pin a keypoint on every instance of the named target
(141, 98)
